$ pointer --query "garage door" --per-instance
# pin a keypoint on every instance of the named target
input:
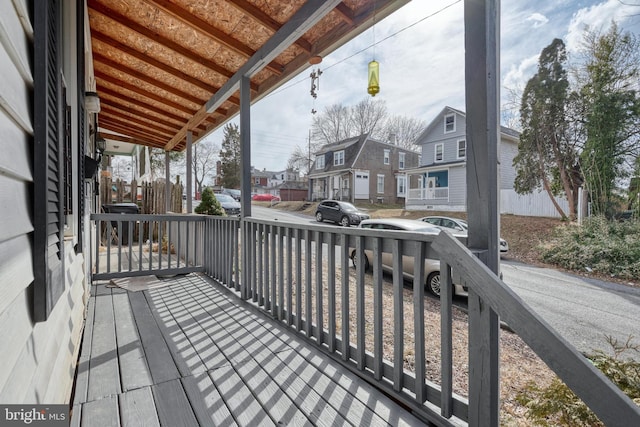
(361, 186)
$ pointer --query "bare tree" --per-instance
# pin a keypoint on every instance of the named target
(332, 125)
(203, 163)
(300, 159)
(404, 131)
(368, 116)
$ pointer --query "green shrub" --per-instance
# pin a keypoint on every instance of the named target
(209, 205)
(556, 404)
(606, 247)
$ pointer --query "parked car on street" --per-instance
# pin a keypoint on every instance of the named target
(264, 197)
(431, 266)
(230, 206)
(459, 225)
(343, 213)
(232, 192)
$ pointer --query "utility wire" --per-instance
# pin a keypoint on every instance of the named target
(369, 47)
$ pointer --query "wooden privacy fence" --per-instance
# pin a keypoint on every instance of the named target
(149, 196)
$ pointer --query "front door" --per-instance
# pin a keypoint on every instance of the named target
(431, 187)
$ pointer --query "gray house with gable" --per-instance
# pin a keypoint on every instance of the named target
(439, 183)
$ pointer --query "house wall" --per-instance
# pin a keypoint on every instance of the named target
(38, 359)
(436, 135)
(508, 151)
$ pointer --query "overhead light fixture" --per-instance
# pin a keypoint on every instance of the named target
(101, 144)
(92, 102)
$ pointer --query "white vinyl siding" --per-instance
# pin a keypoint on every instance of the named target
(380, 184)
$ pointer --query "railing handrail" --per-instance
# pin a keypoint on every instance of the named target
(607, 401)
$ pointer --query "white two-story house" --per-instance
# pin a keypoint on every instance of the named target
(439, 183)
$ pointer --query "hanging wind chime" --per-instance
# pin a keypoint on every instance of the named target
(315, 79)
(374, 66)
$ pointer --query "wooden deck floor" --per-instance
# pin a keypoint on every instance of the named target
(191, 353)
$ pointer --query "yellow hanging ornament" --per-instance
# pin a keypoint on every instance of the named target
(374, 78)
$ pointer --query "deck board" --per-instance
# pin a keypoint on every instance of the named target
(191, 353)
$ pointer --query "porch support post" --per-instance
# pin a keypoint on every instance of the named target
(245, 182)
(167, 183)
(189, 182)
(481, 21)
(245, 146)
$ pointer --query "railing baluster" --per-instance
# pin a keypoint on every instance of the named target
(273, 231)
(446, 344)
(298, 280)
(140, 241)
(130, 243)
(398, 314)
(98, 243)
(344, 293)
(319, 268)
(308, 256)
(119, 246)
(280, 273)
(360, 320)
(418, 316)
(160, 235)
(260, 246)
(289, 276)
(331, 283)
(376, 263)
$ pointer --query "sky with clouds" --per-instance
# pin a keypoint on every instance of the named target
(420, 49)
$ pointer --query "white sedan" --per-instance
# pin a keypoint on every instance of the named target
(431, 266)
(459, 225)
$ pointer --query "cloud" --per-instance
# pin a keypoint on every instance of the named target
(519, 74)
(599, 18)
(537, 19)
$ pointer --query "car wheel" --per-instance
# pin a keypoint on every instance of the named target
(433, 283)
(354, 261)
(319, 217)
(344, 221)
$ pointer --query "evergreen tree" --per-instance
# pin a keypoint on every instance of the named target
(547, 157)
(610, 103)
(209, 205)
(230, 156)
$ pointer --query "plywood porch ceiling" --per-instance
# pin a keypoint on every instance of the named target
(157, 63)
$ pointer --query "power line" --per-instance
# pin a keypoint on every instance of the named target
(370, 46)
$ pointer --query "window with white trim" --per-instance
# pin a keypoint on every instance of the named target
(338, 158)
(462, 149)
(387, 157)
(380, 184)
(401, 160)
(320, 161)
(402, 185)
(439, 152)
(449, 123)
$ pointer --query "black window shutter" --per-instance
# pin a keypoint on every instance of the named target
(48, 245)
(81, 123)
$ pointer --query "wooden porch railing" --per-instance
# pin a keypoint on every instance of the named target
(301, 275)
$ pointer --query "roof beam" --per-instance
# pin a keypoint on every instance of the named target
(346, 13)
(211, 31)
(258, 15)
(308, 15)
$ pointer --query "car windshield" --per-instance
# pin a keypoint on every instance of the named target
(224, 198)
(464, 224)
(347, 207)
(233, 192)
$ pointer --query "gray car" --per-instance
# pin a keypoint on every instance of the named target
(230, 206)
(343, 213)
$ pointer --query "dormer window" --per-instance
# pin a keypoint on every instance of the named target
(449, 123)
(338, 158)
(320, 161)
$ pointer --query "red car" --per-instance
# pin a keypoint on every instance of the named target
(264, 197)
